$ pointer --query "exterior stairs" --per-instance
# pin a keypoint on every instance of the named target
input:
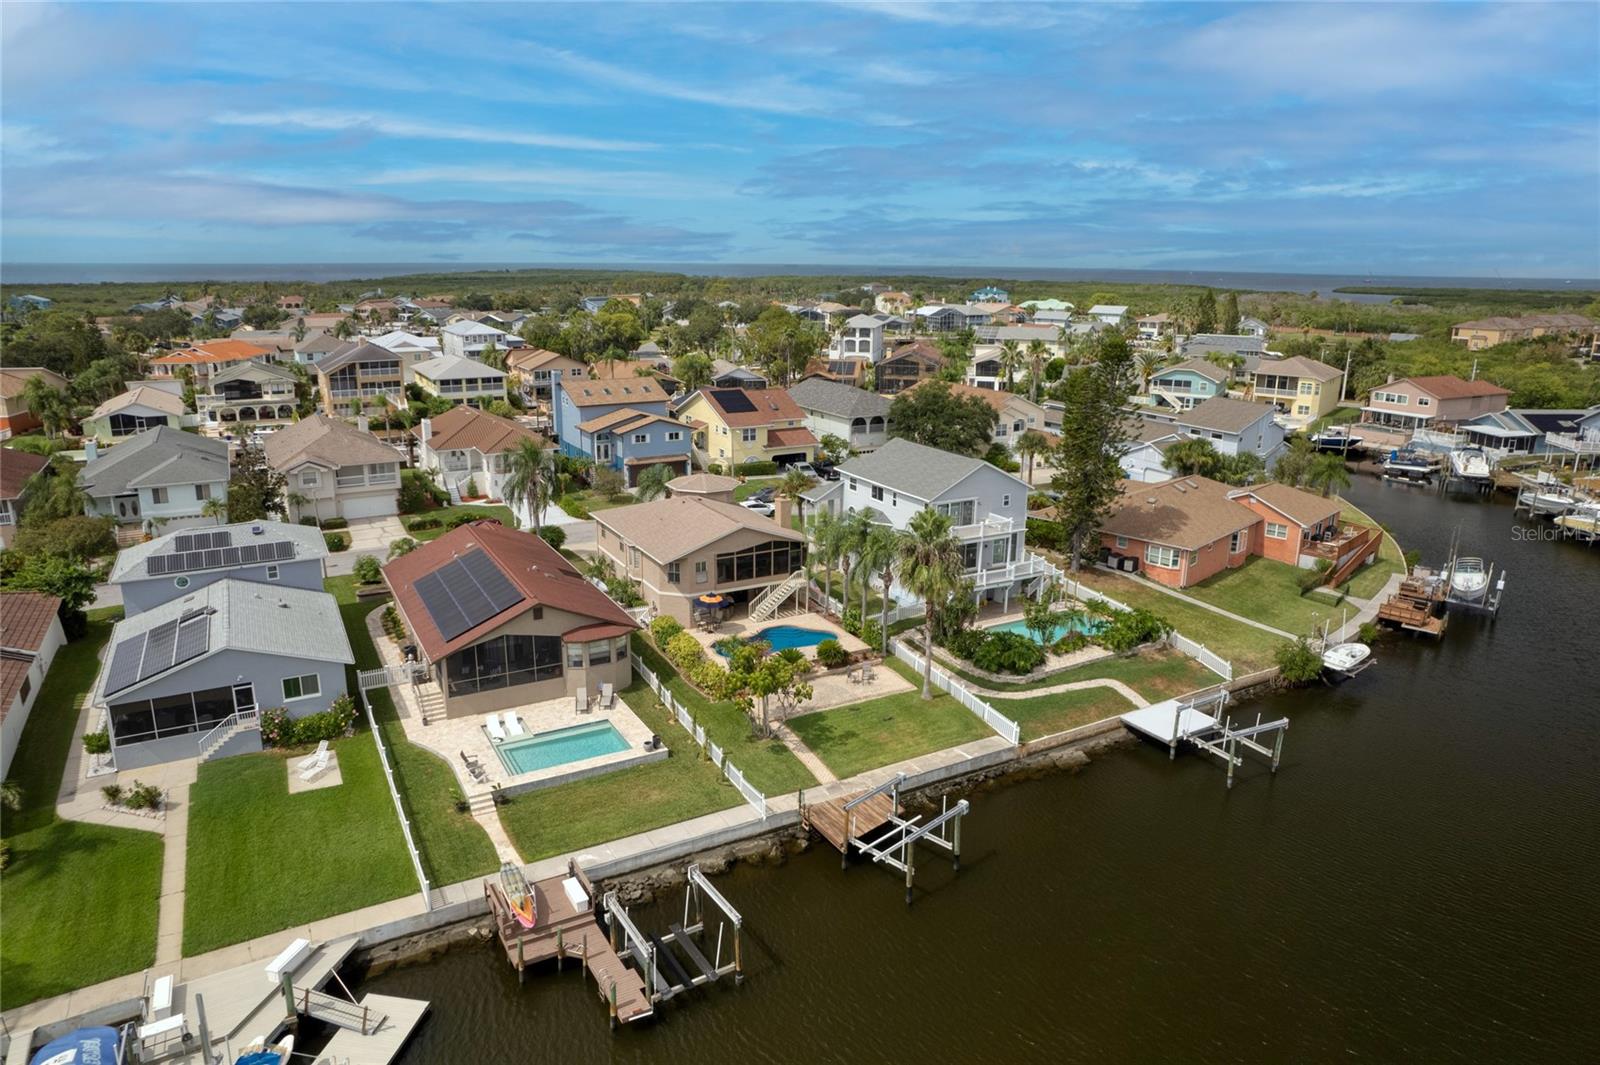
(430, 703)
(219, 736)
(768, 604)
(480, 802)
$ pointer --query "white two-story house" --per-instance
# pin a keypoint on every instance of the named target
(988, 509)
(1233, 427)
(467, 339)
(861, 337)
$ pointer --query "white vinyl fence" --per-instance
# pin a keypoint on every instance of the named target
(381, 678)
(751, 793)
(1003, 726)
(1195, 650)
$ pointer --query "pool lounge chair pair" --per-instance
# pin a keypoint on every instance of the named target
(312, 767)
(475, 768)
(497, 733)
(604, 701)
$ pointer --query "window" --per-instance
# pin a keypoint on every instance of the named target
(503, 661)
(599, 652)
(877, 492)
(1005, 500)
(575, 655)
(701, 572)
(772, 558)
(158, 495)
(301, 687)
(202, 491)
(1236, 542)
(747, 435)
(1122, 541)
(641, 438)
(1277, 530)
(969, 555)
(619, 648)
(310, 479)
(1165, 557)
(272, 571)
(674, 435)
(27, 687)
(852, 484)
(1424, 401)
(674, 575)
(999, 551)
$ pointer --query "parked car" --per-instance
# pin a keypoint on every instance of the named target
(766, 494)
(805, 468)
(763, 507)
(827, 470)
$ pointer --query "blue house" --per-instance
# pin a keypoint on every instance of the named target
(592, 304)
(990, 294)
(30, 303)
(619, 424)
(1182, 386)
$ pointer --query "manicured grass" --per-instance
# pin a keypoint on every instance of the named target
(1246, 646)
(569, 817)
(261, 860)
(501, 514)
(1369, 580)
(853, 739)
(65, 876)
(767, 764)
(1044, 715)
(752, 486)
(1154, 674)
(454, 846)
(1264, 591)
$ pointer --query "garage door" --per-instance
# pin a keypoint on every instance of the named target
(377, 505)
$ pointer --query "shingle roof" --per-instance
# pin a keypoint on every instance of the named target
(838, 398)
(212, 351)
(358, 351)
(28, 617)
(15, 469)
(1304, 507)
(1185, 512)
(529, 359)
(327, 441)
(1532, 321)
(771, 405)
(794, 436)
(912, 469)
(618, 420)
(1224, 415)
(599, 393)
(250, 369)
(132, 562)
(1209, 370)
(702, 484)
(454, 368)
(1298, 366)
(13, 379)
(543, 576)
(142, 396)
(471, 328)
(668, 529)
(1446, 386)
(155, 458)
(462, 427)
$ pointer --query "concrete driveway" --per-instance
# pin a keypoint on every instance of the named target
(368, 536)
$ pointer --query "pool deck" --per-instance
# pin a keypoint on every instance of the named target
(744, 629)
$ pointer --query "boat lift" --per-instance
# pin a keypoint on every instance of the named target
(665, 974)
(897, 847)
(1198, 720)
(871, 822)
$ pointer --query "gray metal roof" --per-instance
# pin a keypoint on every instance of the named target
(155, 458)
(917, 470)
(251, 370)
(362, 351)
(1225, 415)
(838, 398)
(307, 539)
(454, 368)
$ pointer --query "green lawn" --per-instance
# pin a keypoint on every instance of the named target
(1265, 591)
(853, 739)
(1247, 647)
(454, 846)
(1043, 715)
(1154, 674)
(767, 764)
(750, 487)
(65, 876)
(1369, 580)
(444, 514)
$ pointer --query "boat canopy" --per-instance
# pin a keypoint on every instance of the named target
(81, 1047)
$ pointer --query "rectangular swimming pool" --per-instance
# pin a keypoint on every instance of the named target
(1089, 626)
(544, 750)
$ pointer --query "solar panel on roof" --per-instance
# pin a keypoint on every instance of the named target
(159, 644)
(194, 638)
(733, 400)
(496, 586)
(124, 668)
(183, 542)
(156, 565)
(285, 549)
(248, 552)
(441, 605)
(212, 559)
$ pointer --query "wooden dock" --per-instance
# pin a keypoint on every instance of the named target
(871, 823)
(382, 1043)
(1416, 606)
(843, 824)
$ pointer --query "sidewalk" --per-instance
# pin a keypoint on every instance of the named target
(1077, 685)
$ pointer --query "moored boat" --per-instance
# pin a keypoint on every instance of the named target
(1336, 439)
(1408, 464)
(519, 895)
(1468, 577)
(1585, 518)
(1347, 659)
(1470, 462)
(261, 1052)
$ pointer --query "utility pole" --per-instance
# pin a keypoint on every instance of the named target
(1344, 385)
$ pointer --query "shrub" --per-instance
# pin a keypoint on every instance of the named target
(663, 629)
(684, 650)
(1314, 577)
(277, 728)
(334, 524)
(872, 634)
(1297, 662)
(831, 654)
(1368, 632)
(367, 570)
(574, 505)
(393, 626)
(1039, 501)
(1071, 642)
(554, 535)
(413, 496)
(1126, 629)
(624, 590)
(401, 547)
(1412, 557)
(965, 644)
(851, 622)
(327, 724)
(142, 796)
(1008, 652)
(455, 521)
(113, 794)
(712, 679)
(415, 524)
(80, 536)
(608, 483)
(714, 468)
(758, 468)
(999, 455)
(97, 742)
(308, 520)
(337, 541)
(471, 490)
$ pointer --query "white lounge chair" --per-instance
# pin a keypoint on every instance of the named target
(492, 724)
(583, 700)
(513, 724)
(320, 752)
(319, 762)
(608, 697)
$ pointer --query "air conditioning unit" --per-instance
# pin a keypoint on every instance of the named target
(1129, 565)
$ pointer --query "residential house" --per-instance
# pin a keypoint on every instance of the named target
(892, 302)
(1193, 381)
(467, 339)
(854, 372)
(1015, 414)
(207, 358)
(1187, 529)
(291, 303)
(1487, 332)
(27, 303)
(255, 393)
(862, 337)
(360, 370)
(1054, 319)
(217, 319)
(162, 475)
(318, 344)
(165, 303)
(987, 507)
(415, 348)
(704, 486)
(1437, 402)
(17, 468)
(1145, 455)
(1302, 388)
(732, 426)
(592, 304)
(32, 636)
(686, 546)
(725, 374)
(537, 368)
(1109, 313)
(139, 408)
(342, 471)
(15, 417)
(176, 564)
(531, 629)
(621, 425)
(467, 444)
(1024, 335)
(657, 370)
(1230, 344)
(946, 318)
(1234, 427)
(1154, 326)
(990, 294)
(1252, 327)
(193, 675)
(1053, 305)
(857, 416)
(461, 379)
(908, 364)
(1535, 432)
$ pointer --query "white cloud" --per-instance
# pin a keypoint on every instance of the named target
(644, 184)
(389, 126)
(22, 145)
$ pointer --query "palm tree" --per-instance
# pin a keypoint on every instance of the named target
(1010, 360)
(853, 530)
(47, 404)
(794, 483)
(1037, 352)
(693, 370)
(534, 474)
(10, 794)
(216, 507)
(823, 528)
(1149, 365)
(886, 569)
(1192, 457)
(878, 549)
(1031, 443)
(930, 569)
(1328, 472)
(652, 483)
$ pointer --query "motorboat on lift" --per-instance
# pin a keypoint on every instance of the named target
(1336, 439)
(1346, 659)
(1585, 518)
(1471, 463)
(1408, 464)
(1468, 578)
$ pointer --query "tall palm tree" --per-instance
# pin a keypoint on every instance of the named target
(1037, 354)
(1149, 365)
(1010, 360)
(887, 565)
(216, 507)
(930, 569)
(794, 483)
(1029, 445)
(1328, 472)
(47, 404)
(823, 528)
(652, 483)
(533, 477)
(878, 550)
(853, 530)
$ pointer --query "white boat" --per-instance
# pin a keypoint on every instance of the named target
(261, 1052)
(1468, 577)
(1347, 659)
(1549, 501)
(1470, 462)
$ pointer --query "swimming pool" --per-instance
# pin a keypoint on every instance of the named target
(560, 746)
(1088, 626)
(782, 637)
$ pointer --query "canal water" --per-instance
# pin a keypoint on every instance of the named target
(1420, 882)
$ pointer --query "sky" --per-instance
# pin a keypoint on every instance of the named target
(1428, 139)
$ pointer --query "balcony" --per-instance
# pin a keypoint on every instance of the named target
(1026, 568)
(991, 526)
(1340, 543)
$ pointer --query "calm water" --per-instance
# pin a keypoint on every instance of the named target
(1420, 883)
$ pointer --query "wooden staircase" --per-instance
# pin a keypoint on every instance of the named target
(770, 602)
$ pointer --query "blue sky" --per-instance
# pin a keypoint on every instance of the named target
(1414, 138)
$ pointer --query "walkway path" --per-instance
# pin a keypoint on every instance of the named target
(1071, 686)
(807, 757)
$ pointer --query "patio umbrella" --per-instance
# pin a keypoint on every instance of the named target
(712, 600)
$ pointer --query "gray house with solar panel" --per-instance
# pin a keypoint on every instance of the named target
(190, 677)
(170, 567)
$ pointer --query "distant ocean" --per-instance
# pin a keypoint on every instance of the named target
(78, 273)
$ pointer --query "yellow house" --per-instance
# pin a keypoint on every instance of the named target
(1303, 388)
(732, 426)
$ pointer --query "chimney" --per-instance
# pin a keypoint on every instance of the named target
(91, 447)
(781, 506)
(361, 422)
(426, 425)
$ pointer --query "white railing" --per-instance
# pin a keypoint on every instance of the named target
(1202, 654)
(681, 714)
(1003, 726)
(240, 719)
(1587, 444)
(394, 793)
